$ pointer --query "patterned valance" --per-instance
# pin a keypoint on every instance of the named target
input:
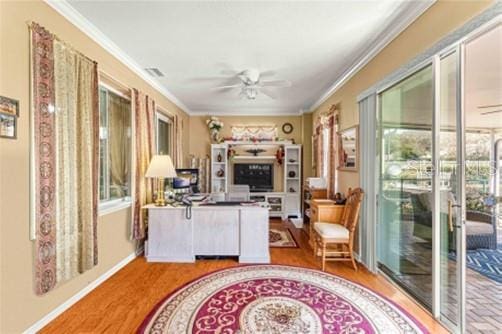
(254, 132)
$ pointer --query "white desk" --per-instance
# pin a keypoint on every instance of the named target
(212, 230)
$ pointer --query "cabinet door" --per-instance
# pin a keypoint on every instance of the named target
(169, 236)
(292, 204)
(216, 232)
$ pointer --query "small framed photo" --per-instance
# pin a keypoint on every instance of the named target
(348, 149)
(9, 106)
(8, 126)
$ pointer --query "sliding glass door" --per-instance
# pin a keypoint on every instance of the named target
(405, 202)
(439, 172)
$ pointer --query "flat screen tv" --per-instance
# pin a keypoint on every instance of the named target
(259, 177)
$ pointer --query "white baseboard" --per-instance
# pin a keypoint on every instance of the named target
(79, 295)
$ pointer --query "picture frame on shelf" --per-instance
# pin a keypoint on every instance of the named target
(348, 149)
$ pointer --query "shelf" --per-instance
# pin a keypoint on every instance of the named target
(293, 178)
(219, 163)
(218, 178)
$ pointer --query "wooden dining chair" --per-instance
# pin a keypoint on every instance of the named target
(336, 241)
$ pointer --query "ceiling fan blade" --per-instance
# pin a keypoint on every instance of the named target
(491, 112)
(206, 79)
(268, 93)
(490, 106)
(275, 83)
(229, 86)
(267, 74)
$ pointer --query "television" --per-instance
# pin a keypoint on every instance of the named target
(259, 177)
(187, 178)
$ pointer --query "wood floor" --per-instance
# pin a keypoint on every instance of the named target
(120, 304)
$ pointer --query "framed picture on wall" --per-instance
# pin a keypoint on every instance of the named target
(348, 152)
(9, 106)
(8, 124)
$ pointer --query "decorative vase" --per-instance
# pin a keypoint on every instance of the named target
(215, 136)
(219, 157)
(292, 173)
(220, 173)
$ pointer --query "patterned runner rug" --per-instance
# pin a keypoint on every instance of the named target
(281, 237)
(276, 299)
(487, 262)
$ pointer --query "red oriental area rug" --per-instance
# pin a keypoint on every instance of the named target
(276, 299)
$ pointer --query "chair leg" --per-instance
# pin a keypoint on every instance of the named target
(323, 256)
(315, 247)
(351, 254)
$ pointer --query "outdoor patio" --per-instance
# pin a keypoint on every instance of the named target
(484, 295)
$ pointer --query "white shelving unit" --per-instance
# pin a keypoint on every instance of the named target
(219, 162)
(282, 204)
(292, 180)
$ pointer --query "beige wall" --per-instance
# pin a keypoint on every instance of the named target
(20, 307)
(442, 18)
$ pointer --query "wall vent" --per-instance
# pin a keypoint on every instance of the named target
(154, 72)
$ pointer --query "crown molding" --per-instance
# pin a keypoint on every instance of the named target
(399, 22)
(78, 20)
(247, 112)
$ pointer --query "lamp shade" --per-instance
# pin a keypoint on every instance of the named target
(161, 166)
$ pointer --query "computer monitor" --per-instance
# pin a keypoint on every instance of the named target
(187, 178)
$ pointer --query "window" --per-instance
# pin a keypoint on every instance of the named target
(114, 148)
(164, 134)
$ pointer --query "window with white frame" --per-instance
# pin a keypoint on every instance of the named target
(114, 147)
(164, 134)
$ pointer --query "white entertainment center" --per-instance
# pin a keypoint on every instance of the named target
(284, 203)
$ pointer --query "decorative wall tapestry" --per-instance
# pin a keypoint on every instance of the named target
(254, 132)
(65, 160)
(144, 108)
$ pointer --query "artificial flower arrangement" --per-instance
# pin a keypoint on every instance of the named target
(215, 126)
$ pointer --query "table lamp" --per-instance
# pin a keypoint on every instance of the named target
(161, 167)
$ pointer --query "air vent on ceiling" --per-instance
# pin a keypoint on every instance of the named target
(154, 72)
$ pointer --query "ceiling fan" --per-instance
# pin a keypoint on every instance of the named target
(252, 84)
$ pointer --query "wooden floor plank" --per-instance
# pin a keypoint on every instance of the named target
(120, 304)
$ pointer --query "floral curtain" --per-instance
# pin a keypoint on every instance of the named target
(327, 122)
(178, 141)
(65, 159)
(144, 108)
(318, 150)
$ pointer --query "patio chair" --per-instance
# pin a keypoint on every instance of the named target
(481, 230)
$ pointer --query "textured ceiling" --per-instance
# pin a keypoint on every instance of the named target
(310, 44)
